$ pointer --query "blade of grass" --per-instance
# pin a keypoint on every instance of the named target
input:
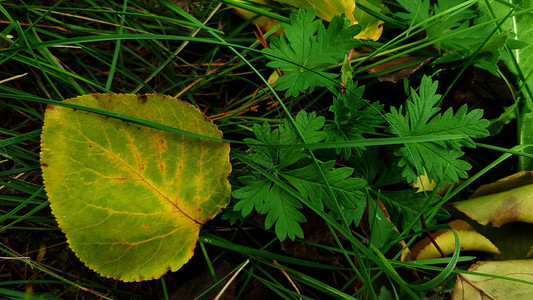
(117, 47)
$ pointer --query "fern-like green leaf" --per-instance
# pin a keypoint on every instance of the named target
(283, 210)
(346, 189)
(308, 49)
(353, 117)
(280, 208)
(271, 150)
(440, 160)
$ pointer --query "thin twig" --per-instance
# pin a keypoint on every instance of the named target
(13, 78)
(94, 20)
(480, 290)
(231, 280)
(194, 83)
(289, 279)
(37, 25)
(261, 38)
(26, 258)
(431, 237)
(46, 269)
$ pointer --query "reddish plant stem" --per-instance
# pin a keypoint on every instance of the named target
(431, 237)
(343, 84)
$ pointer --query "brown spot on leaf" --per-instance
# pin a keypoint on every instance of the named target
(120, 178)
(145, 225)
(50, 107)
(142, 98)
(508, 212)
(44, 165)
(102, 97)
(163, 145)
(505, 184)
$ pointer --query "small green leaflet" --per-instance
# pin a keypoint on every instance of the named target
(458, 18)
(381, 229)
(252, 195)
(377, 171)
(268, 198)
(353, 117)
(283, 210)
(416, 11)
(452, 16)
(441, 160)
(269, 149)
(405, 206)
(420, 11)
(347, 190)
(308, 50)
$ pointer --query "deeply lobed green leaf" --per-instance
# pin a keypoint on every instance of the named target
(440, 160)
(308, 49)
(353, 117)
(346, 189)
(271, 150)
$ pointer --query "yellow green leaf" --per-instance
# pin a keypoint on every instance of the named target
(505, 184)
(423, 184)
(470, 240)
(372, 27)
(265, 23)
(511, 202)
(483, 287)
(327, 9)
(274, 76)
(130, 199)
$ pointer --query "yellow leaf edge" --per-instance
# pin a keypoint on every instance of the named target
(470, 240)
